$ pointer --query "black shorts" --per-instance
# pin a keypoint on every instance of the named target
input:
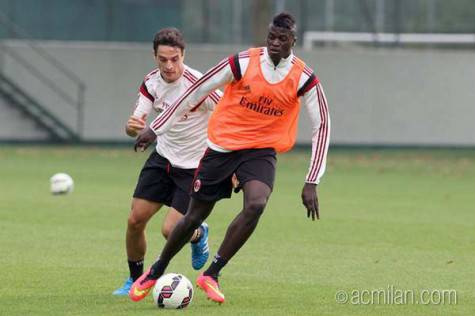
(162, 183)
(213, 176)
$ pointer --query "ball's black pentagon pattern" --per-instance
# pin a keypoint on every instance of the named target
(176, 281)
(160, 301)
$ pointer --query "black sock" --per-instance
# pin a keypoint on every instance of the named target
(158, 268)
(136, 269)
(216, 266)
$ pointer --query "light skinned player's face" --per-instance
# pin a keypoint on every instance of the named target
(169, 60)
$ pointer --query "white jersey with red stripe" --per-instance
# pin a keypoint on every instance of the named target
(310, 92)
(184, 143)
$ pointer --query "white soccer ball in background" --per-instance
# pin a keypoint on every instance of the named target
(61, 183)
(173, 291)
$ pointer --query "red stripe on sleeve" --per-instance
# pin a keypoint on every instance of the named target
(160, 120)
(144, 91)
(311, 85)
(322, 137)
(233, 67)
(192, 78)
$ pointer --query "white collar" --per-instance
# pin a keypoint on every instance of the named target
(282, 63)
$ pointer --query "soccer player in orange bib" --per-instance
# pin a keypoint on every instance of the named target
(256, 118)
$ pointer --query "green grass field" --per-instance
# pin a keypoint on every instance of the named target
(401, 218)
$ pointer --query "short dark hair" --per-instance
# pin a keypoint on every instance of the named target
(169, 36)
(285, 20)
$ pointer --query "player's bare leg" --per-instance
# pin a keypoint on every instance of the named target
(141, 212)
(256, 195)
(198, 241)
(170, 220)
(197, 212)
(136, 244)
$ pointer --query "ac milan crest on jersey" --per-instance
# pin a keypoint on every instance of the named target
(197, 185)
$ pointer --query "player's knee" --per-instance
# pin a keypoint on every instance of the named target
(255, 208)
(136, 223)
(166, 230)
(192, 222)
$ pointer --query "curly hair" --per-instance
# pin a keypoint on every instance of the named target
(169, 36)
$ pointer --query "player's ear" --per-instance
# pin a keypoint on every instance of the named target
(183, 53)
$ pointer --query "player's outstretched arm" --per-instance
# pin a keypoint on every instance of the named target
(145, 139)
(214, 78)
(310, 200)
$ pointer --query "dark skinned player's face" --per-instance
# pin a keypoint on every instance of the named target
(279, 43)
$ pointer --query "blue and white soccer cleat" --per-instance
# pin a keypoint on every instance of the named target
(200, 249)
(124, 290)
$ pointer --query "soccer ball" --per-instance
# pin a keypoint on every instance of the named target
(173, 291)
(61, 183)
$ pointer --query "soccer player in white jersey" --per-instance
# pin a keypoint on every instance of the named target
(256, 117)
(168, 173)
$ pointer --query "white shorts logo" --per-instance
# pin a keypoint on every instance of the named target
(197, 185)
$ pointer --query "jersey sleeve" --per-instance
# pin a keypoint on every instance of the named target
(144, 103)
(213, 99)
(238, 64)
(315, 103)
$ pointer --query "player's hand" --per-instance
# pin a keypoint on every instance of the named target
(135, 125)
(235, 183)
(145, 138)
(310, 200)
